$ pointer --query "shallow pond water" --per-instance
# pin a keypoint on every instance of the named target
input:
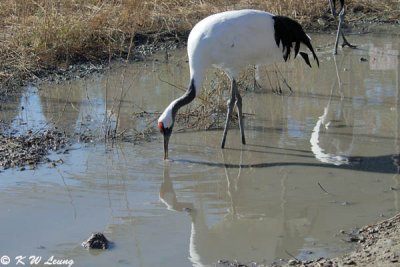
(320, 160)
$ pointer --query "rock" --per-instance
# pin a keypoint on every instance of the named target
(350, 262)
(96, 241)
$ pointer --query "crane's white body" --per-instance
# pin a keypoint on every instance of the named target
(231, 41)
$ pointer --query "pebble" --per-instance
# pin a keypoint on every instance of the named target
(96, 241)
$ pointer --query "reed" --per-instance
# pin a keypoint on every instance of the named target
(41, 35)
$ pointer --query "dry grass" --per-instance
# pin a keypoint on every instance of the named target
(40, 35)
(210, 111)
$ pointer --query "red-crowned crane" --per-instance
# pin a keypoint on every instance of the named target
(231, 41)
(332, 4)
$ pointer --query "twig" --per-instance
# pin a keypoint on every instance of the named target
(270, 83)
(284, 80)
(323, 189)
(279, 88)
(287, 252)
(173, 85)
(181, 88)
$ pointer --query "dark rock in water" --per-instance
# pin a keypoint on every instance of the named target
(96, 241)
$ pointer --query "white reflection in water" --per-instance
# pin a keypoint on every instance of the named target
(323, 123)
(375, 94)
(92, 108)
(30, 113)
(318, 151)
(383, 58)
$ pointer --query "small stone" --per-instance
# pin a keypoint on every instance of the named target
(293, 262)
(96, 241)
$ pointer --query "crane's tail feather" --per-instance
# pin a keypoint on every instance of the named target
(289, 31)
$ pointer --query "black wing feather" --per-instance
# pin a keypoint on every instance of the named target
(287, 32)
(305, 57)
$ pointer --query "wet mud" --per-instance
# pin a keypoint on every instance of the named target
(31, 149)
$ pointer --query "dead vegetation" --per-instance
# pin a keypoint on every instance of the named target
(44, 35)
(209, 111)
(30, 149)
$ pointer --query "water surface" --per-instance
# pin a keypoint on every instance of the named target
(337, 132)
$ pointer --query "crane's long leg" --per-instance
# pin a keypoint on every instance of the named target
(231, 104)
(340, 32)
(240, 113)
(333, 7)
(345, 42)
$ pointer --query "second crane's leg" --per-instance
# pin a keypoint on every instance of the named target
(341, 19)
(340, 32)
(239, 109)
(332, 4)
(231, 104)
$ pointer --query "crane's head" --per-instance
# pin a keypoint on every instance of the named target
(165, 125)
(167, 118)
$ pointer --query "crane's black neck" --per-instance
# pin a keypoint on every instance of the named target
(185, 99)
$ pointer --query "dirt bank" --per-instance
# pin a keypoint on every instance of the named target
(379, 245)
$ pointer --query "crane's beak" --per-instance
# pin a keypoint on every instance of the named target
(166, 141)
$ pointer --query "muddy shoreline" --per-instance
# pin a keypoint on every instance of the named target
(377, 244)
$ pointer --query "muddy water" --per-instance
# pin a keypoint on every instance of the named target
(322, 159)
